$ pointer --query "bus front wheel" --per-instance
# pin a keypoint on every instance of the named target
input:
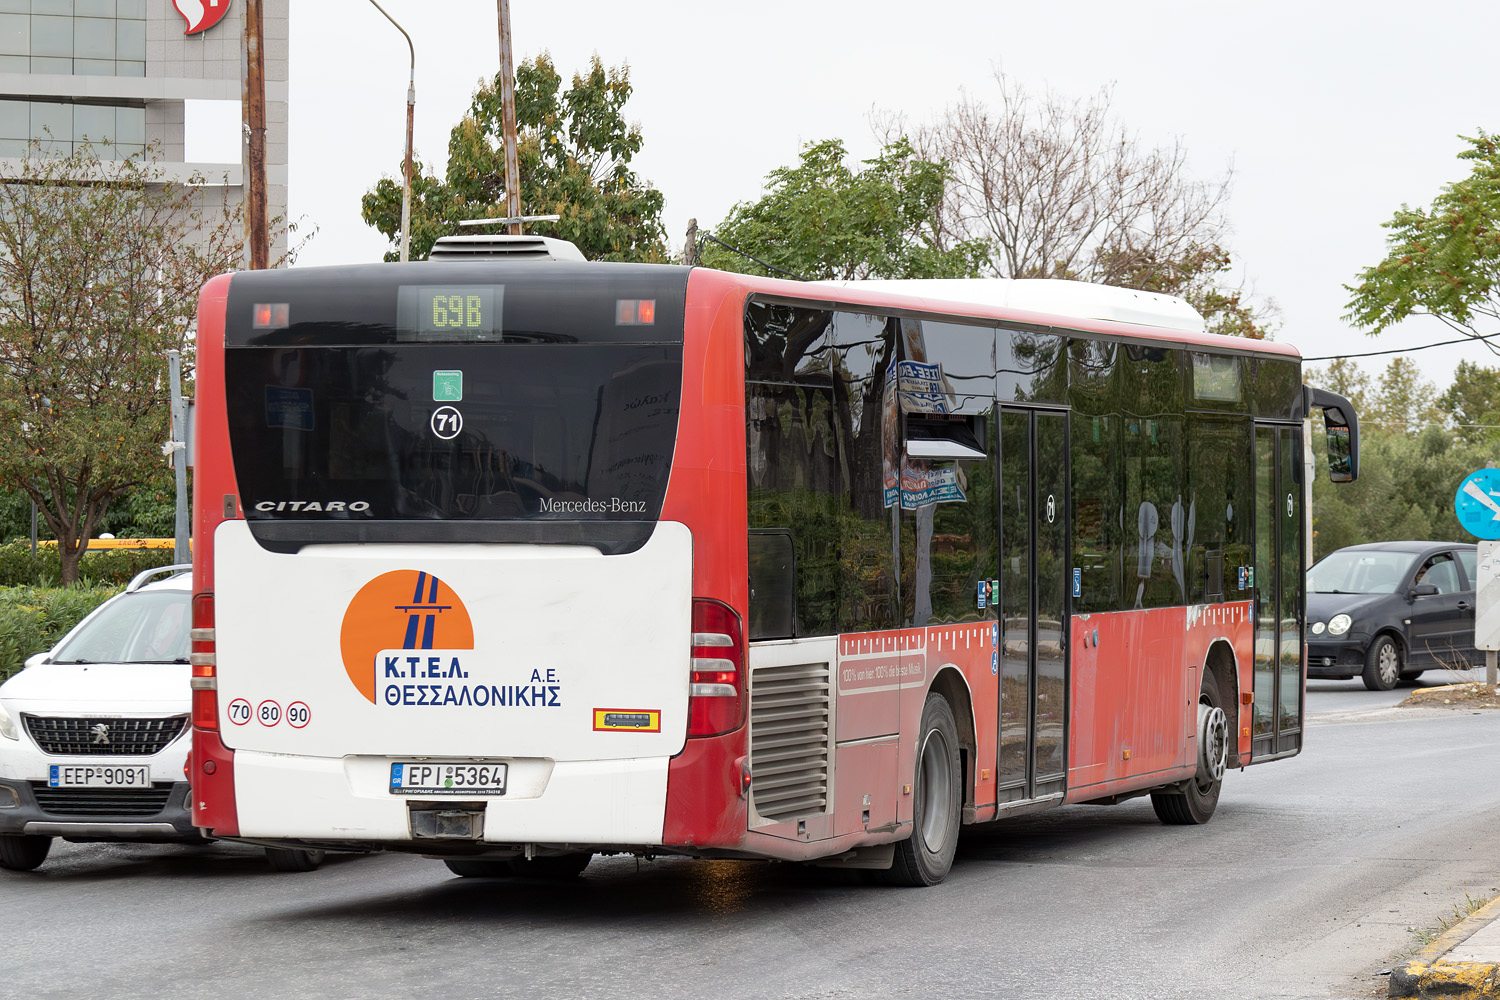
(925, 857)
(1195, 803)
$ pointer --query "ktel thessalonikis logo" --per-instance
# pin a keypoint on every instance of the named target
(407, 640)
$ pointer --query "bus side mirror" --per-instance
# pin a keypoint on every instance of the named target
(1340, 469)
(1342, 425)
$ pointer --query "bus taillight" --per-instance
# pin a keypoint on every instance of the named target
(205, 682)
(717, 686)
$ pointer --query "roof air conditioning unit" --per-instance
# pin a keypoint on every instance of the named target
(504, 248)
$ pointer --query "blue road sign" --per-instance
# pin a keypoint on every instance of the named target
(1477, 503)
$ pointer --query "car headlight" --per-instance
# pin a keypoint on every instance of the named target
(1339, 624)
(8, 725)
(1317, 628)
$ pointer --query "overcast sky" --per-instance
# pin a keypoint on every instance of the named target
(1332, 113)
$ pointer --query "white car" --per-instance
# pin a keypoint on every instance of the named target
(94, 735)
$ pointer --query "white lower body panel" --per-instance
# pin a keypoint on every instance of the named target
(547, 802)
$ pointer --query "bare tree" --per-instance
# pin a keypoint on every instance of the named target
(1057, 188)
(1060, 190)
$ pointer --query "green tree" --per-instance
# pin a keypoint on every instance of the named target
(1441, 261)
(1405, 490)
(574, 149)
(822, 220)
(1403, 400)
(99, 280)
(1472, 402)
(1344, 377)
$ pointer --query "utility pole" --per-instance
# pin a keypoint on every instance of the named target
(690, 247)
(508, 122)
(253, 101)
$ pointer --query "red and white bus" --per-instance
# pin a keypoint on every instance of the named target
(509, 562)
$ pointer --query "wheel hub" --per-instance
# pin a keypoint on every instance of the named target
(1213, 741)
(936, 779)
(1390, 664)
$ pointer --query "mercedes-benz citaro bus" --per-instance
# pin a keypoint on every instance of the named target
(507, 558)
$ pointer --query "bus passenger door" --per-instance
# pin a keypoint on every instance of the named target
(1034, 603)
(1277, 719)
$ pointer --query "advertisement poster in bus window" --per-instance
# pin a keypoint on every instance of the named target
(916, 387)
(637, 413)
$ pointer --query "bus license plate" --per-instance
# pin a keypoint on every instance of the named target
(412, 778)
(99, 776)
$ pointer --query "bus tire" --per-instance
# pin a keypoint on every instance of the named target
(1199, 797)
(925, 857)
(478, 867)
(23, 852)
(293, 859)
(1382, 664)
(553, 868)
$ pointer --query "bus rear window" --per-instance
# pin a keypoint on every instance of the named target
(445, 431)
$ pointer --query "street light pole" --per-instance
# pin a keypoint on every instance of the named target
(411, 107)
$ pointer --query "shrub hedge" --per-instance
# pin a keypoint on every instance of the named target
(19, 568)
(32, 619)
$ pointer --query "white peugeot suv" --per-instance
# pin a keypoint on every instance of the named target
(94, 734)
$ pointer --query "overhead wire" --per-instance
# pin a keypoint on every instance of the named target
(1406, 350)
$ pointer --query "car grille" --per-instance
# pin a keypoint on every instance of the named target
(102, 801)
(118, 737)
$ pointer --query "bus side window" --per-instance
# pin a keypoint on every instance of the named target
(773, 584)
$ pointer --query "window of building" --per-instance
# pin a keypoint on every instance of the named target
(114, 132)
(73, 37)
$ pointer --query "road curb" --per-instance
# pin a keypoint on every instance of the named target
(1427, 974)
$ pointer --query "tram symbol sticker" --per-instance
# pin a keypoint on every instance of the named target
(447, 422)
(399, 610)
(1051, 508)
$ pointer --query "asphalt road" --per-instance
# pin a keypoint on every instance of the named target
(1303, 885)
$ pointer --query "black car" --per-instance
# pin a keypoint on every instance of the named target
(1390, 610)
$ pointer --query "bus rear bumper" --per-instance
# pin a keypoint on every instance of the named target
(281, 797)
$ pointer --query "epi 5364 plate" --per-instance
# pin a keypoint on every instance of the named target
(421, 778)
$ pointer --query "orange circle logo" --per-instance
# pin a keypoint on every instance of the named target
(403, 609)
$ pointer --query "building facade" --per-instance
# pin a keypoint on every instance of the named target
(125, 75)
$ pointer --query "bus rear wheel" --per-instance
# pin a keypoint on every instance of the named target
(293, 859)
(1195, 803)
(554, 868)
(925, 857)
(478, 868)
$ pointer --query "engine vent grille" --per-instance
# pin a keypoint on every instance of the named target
(789, 740)
(108, 802)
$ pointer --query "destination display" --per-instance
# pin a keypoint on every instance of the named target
(448, 313)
